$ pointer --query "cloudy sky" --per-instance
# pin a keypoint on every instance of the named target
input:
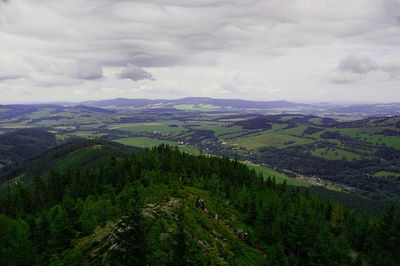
(298, 50)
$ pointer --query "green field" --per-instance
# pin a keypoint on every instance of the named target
(42, 113)
(277, 140)
(219, 129)
(90, 126)
(145, 142)
(351, 132)
(199, 107)
(88, 134)
(335, 154)
(370, 135)
(386, 174)
(317, 120)
(389, 141)
(279, 177)
(162, 127)
(298, 131)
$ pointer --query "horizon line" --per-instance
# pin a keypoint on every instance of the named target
(200, 97)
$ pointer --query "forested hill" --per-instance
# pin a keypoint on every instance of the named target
(143, 208)
(83, 154)
(24, 143)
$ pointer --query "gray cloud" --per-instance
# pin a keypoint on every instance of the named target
(135, 73)
(88, 70)
(168, 33)
(357, 64)
(340, 78)
(9, 76)
(283, 43)
(354, 68)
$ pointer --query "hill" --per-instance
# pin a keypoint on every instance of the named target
(72, 155)
(221, 103)
(144, 207)
(207, 104)
(22, 144)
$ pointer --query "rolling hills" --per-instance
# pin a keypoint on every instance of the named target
(210, 104)
(340, 152)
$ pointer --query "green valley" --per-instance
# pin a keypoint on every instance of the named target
(77, 181)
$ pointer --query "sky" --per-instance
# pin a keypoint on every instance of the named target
(296, 50)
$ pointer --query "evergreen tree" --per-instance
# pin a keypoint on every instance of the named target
(335, 218)
(130, 236)
(180, 247)
(277, 256)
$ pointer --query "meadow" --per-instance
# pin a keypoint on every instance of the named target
(335, 154)
(386, 174)
(273, 174)
(162, 127)
(254, 142)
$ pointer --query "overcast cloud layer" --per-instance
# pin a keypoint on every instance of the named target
(299, 50)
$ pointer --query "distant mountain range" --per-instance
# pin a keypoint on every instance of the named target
(221, 103)
(205, 103)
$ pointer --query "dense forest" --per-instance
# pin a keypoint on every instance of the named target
(143, 208)
(24, 143)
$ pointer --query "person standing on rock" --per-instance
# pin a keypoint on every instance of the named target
(201, 201)
(239, 232)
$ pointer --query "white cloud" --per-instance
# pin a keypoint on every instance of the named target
(79, 92)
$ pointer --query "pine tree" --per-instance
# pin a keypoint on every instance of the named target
(251, 208)
(39, 192)
(277, 256)
(335, 218)
(130, 236)
(180, 247)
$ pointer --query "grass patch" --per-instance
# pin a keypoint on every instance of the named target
(279, 177)
(317, 120)
(389, 141)
(298, 131)
(349, 132)
(335, 154)
(386, 174)
(88, 134)
(270, 139)
(90, 126)
(370, 135)
(197, 107)
(42, 113)
(162, 127)
(220, 129)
